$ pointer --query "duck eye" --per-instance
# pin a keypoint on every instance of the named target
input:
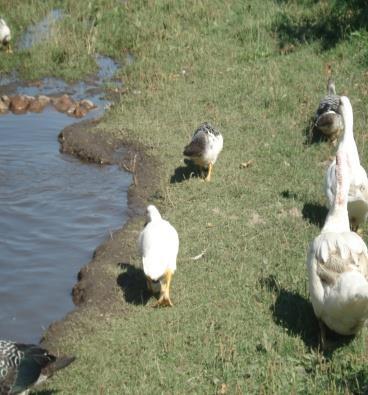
(362, 188)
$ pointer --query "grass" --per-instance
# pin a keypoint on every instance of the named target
(242, 321)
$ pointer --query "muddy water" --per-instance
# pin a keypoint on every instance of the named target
(54, 211)
(40, 31)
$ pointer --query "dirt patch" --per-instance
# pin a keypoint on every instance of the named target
(97, 286)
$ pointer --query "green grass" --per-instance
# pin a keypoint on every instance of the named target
(86, 29)
(242, 321)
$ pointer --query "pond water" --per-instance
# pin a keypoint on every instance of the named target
(54, 210)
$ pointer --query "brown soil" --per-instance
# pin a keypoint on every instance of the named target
(96, 289)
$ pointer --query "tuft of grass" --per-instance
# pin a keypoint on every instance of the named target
(242, 321)
(86, 29)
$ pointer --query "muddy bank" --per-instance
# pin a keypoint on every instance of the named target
(96, 288)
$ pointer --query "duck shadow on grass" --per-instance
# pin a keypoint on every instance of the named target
(287, 194)
(327, 28)
(315, 213)
(44, 392)
(312, 135)
(295, 313)
(183, 173)
(312, 212)
(355, 382)
(133, 284)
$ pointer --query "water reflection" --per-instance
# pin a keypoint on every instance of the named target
(54, 211)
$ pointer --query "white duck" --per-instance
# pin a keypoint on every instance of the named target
(205, 146)
(159, 246)
(5, 35)
(358, 191)
(338, 261)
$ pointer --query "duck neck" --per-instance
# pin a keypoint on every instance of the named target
(154, 216)
(348, 141)
(331, 90)
(338, 219)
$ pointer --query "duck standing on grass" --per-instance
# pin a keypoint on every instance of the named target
(358, 191)
(25, 365)
(204, 148)
(338, 260)
(5, 35)
(159, 246)
(327, 118)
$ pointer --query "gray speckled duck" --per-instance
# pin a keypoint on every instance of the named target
(204, 148)
(327, 118)
(24, 365)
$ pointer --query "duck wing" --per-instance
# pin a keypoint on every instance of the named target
(339, 253)
(198, 144)
(328, 103)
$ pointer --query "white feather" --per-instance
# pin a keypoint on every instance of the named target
(4, 31)
(159, 245)
(213, 148)
(343, 304)
(337, 261)
(358, 191)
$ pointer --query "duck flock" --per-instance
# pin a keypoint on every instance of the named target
(337, 260)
